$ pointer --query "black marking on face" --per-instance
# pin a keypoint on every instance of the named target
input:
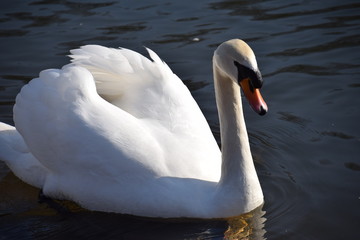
(256, 80)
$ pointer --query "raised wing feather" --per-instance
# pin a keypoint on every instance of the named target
(122, 75)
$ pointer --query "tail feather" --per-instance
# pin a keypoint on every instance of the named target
(15, 153)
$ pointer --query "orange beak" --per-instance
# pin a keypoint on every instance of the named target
(254, 97)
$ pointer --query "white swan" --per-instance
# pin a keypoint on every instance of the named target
(143, 147)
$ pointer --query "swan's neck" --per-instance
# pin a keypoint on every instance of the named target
(238, 173)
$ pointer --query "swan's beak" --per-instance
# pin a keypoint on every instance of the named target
(254, 97)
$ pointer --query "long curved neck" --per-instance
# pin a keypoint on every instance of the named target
(235, 147)
(238, 175)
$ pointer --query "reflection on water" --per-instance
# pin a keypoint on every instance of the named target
(306, 149)
(247, 226)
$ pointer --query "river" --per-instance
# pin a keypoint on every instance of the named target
(306, 149)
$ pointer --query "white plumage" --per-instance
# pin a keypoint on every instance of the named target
(117, 132)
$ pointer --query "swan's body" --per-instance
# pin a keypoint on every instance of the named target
(143, 147)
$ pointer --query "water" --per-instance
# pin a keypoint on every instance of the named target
(306, 149)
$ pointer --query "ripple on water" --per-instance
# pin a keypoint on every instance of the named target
(352, 166)
(285, 204)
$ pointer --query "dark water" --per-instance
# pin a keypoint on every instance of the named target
(307, 148)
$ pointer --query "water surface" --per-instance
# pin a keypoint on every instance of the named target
(306, 149)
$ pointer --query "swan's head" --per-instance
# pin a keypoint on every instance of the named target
(236, 60)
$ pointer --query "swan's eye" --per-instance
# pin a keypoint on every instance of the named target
(245, 72)
(251, 86)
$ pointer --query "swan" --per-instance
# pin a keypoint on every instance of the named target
(117, 132)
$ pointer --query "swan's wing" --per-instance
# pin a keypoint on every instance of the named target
(71, 130)
(152, 93)
(153, 126)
